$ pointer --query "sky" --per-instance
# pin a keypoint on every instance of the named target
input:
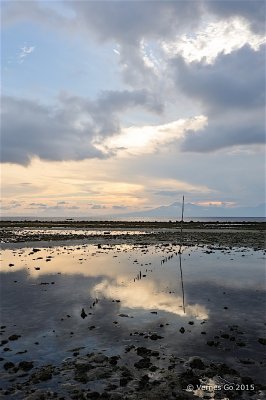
(111, 107)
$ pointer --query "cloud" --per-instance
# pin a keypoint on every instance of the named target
(98, 207)
(226, 84)
(128, 22)
(119, 207)
(38, 205)
(25, 52)
(252, 10)
(229, 129)
(215, 38)
(68, 130)
(230, 95)
(137, 140)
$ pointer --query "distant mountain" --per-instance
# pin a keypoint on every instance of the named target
(192, 210)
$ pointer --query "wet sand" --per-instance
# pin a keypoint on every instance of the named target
(116, 312)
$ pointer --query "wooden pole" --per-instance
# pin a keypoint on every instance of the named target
(181, 228)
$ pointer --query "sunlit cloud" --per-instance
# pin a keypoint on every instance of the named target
(137, 140)
(214, 39)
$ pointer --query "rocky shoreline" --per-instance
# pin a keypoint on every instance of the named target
(148, 375)
(218, 234)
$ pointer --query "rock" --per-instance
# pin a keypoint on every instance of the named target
(83, 314)
(116, 396)
(123, 381)
(182, 330)
(225, 336)
(143, 351)
(93, 395)
(154, 336)
(241, 344)
(246, 380)
(143, 363)
(98, 358)
(25, 365)
(143, 381)
(44, 374)
(129, 347)
(113, 360)
(262, 341)
(14, 337)
(123, 315)
(8, 365)
(188, 378)
(197, 363)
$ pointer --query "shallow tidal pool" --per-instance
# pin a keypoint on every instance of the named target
(207, 302)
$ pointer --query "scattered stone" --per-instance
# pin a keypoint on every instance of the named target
(14, 337)
(8, 365)
(25, 365)
(197, 363)
(44, 374)
(83, 314)
(262, 341)
(143, 363)
(182, 330)
(154, 336)
(225, 336)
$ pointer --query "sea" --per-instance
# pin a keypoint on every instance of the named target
(136, 219)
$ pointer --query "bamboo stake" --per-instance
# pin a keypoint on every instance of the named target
(181, 228)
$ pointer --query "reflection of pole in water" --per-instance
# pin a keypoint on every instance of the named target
(182, 283)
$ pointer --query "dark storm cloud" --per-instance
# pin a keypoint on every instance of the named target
(235, 80)
(251, 10)
(226, 131)
(232, 94)
(67, 131)
(129, 21)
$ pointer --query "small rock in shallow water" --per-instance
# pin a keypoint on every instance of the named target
(197, 363)
(14, 337)
(83, 314)
(154, 336)
(182, 330)
(143, 363)
(25, 365)
(8, 365)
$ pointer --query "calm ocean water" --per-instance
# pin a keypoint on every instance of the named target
(132, 219)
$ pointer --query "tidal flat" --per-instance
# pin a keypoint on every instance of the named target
(119, 312)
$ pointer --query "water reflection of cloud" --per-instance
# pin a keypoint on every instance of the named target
(143, 295)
